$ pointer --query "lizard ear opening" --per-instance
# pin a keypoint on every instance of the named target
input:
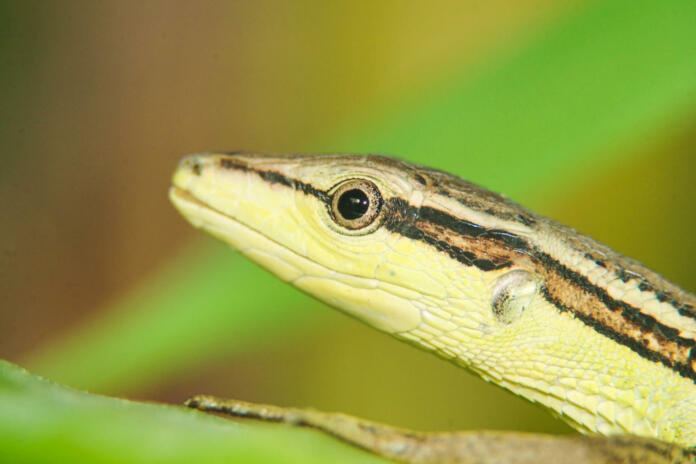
(512, 293)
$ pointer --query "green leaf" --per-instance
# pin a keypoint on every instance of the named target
(43, 422)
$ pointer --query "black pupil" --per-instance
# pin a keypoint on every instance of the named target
(353, 204)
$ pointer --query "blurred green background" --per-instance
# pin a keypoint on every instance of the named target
(583, 111)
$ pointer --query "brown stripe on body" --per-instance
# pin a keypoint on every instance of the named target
(568, 290)
(481, 248)
(647, 340)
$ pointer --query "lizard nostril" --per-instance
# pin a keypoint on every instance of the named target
(193, 163)
(196, 167)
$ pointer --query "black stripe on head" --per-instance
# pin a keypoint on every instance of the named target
(273, 177)
(470, 229)
(401, 218)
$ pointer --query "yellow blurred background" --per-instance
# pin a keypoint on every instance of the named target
(100, 100)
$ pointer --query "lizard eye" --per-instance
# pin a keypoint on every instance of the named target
(356, 203)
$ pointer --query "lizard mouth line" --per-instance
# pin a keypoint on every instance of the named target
(184, 198)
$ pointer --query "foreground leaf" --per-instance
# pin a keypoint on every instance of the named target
(43, 422)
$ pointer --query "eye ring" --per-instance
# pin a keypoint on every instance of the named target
(355, 203)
